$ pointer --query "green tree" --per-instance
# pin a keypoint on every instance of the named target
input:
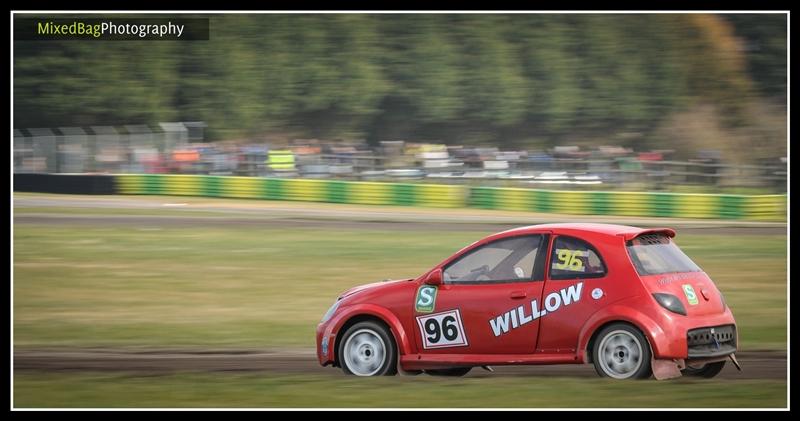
(449, 77)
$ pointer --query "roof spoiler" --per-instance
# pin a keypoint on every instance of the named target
(631, 235)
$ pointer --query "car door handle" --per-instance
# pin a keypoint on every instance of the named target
(518, 294)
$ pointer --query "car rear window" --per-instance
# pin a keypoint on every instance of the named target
(653, 254)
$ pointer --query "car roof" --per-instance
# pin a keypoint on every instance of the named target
(625, 231)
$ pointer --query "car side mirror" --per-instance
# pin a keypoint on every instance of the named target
(434, 278)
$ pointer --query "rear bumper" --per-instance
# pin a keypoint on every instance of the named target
(712, 341)
(675, 341)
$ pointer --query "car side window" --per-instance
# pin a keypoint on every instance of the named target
(573, 258)
(507, 260)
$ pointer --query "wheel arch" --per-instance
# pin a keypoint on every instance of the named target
(618, 314)
(588, 357)
(377, 314)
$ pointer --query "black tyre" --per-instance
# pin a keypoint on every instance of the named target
(706, 370)
(622, 352)
(368, 349)
(449, 372)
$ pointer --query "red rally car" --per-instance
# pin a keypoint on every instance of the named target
(625, 299)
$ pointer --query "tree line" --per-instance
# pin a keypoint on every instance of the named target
(511, 80)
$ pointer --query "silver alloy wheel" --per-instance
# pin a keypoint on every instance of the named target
(364, 352)
(620, 354)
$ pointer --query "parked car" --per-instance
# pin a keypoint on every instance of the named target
(624, 299)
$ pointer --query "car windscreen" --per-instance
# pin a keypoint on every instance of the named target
(653, 254)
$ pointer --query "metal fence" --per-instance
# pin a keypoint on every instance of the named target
(95, 148)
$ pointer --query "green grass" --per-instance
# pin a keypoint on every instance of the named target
(316, 391)
(251, 286)
(268, 286)
(196, 285)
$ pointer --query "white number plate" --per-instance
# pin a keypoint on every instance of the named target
(442, 330)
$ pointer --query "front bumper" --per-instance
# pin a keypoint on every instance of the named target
(325, 343)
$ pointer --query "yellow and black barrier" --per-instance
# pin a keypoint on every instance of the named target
(307, 190)
(638, 204)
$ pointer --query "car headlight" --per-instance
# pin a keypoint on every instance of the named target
(329, 313)
(670, 302)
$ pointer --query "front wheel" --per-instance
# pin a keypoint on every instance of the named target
(621, 352)
(706, 370)
(449, 372)
(367, 349)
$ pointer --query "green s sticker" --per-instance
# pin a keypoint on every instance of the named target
(426, 299)
(690, 295)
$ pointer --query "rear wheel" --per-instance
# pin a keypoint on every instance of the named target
(368, 349)
(706, 370)
(450, 372)
(621, 352)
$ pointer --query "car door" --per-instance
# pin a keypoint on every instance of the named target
(577, 278)
(483, 305)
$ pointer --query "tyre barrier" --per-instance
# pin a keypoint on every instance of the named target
(638, 204)
(297, 189)
(643, 204)
(65, 183)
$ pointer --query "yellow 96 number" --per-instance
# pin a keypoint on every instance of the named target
(569, 260)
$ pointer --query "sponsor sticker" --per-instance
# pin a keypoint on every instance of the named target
(325, 346)
(426, 299)
(442, 330)
(518, 316)
(675, 278)
(597, 293)
(690, 294)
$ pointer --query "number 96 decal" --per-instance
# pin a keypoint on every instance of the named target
(442, 330)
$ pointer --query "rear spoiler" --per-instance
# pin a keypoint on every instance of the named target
(631, 235)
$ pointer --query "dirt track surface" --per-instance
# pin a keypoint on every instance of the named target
(187, 211)
(755, 364)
